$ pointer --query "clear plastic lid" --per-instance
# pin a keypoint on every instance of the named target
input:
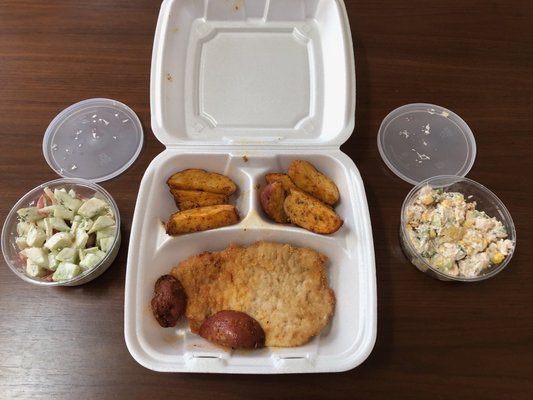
(95, 139)
(419, 141)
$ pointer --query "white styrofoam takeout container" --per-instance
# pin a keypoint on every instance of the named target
(243, 88)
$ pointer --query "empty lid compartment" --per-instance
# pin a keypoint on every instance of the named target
(253, 72)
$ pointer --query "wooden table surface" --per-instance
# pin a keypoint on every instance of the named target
(434, 339)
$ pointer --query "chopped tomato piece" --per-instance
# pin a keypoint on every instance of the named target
(43, 201)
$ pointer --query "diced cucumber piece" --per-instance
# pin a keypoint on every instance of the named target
(85, 224)
(65, 271)
(91, 259)
(23, 228)
(58, 224)
(48, 228)
(75, 223)
(21, 242)
(48, 209)
(35, 237)
(30, 214)
(104, 233)
(81, 239)
(37, 255)
(41, 224)
(59, 240)
(32, 269)
(102, 222)
(48, 192)
(106, 243)
(90, 250)
(68, 254)
(92, 207)
(63, 213)
(53, 262)
(64, 199)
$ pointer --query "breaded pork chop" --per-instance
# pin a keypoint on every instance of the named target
(283, 287)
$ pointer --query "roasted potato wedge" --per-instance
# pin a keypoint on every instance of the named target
(285, 180)
(199, 179)
(233, 329)
(314, 182)
(272, 197)
(202, 219)
(307, 212)
(187, 199)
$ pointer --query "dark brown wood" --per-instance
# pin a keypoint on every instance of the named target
(435, 340)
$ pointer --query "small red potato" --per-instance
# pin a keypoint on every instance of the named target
(233, 329)
(285, 180)
(169, 301)
(272, 197)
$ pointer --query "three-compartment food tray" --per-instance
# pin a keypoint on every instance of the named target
(243, 88)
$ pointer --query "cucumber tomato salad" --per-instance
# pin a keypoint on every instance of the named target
(452, 235)
(64, 234)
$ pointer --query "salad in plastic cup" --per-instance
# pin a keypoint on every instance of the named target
(65, 232)
(456, 229)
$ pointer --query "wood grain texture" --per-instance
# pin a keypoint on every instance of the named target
(435, 340)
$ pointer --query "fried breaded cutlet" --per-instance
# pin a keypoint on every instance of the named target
(283, 287)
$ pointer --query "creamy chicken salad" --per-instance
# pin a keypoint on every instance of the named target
(452, 235)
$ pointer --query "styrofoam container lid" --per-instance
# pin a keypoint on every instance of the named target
(94, 139)
(253, 73)
(418, 141)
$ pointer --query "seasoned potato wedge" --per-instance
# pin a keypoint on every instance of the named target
(187, 199)
(233, 329)
(307, 212)
(314, 182)
(199, 179)
(285, 180)
(202, 219)
(272, 197)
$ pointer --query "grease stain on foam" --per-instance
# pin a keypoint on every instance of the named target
(173, 339)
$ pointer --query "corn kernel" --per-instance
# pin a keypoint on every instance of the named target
(427, 199)
(469, 223)
(497, 258)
